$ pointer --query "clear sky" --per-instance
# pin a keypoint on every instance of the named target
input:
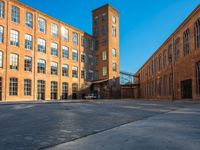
(144, 24)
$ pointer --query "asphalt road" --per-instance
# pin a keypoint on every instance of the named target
(101, 125)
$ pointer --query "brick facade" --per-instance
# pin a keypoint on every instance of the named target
(178, 77)
(86, 45)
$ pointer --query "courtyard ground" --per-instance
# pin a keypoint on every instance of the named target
(101, 125)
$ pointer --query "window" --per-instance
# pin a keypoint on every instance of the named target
(91, 60)
(96, 21)
(41, 25)
(13, 89)
(186, 44)
(14, 38)
(83, 41)
(27, 64)
(54, 90)
(65, 34)
(114, 67)
(114, 52)
(197, 33)
(74, 88)
(165, 85)
(103, 30)
(15, 14)
(2, 4)
(1, 34)
(104, 71)
(64, 90)
(54, 30)
(27, 87)
(41, 90)
(96, 45)
(54, 49)
(41, 45)
(14, 61)
(28, 41)
(160, 62)
(164, 58)
(114, 20)
(177, 47)
(91, 75)
(160, 86)
(1, 59)
(91, 44)
(54, 68)
(74, 55)
(170, 55)
(65, 70)
(29, 20)
(114, 31)
(83, 57)
(41, 66)
(96, 32)
(170, 83)
(65, 52)
(104, 55)
(75, 72)
(83, 74)
(198, 77)
(75, 39)
(104, 17)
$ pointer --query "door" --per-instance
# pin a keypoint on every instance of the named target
(186, 89)
(41, 90)
(0, 88)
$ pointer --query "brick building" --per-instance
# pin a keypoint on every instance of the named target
(42, 58)
(173, 71)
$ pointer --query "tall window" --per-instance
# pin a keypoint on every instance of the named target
(198, 77)
(83, 57)
(75, 38)
(41, 45)
(197, 33)
(91, 60)
(186, 44)
(27, 64)
(41, 90)
(14, 38)
(64, 90)
(164, 58)
(170, 55)
(177, 47)
(74, 88)
(114, 67)
(15, 14)
(14, 61)
(27, 87)
(1, 59)
(83, 74)
(65, 52)
(165, 85)
(75, 72)
(114, 31)
(104, 17)
(160, 86)
(114, 52)
(54, 90)
(2, 5)
(160, 61)
(104, 71)
(104, 55)
(28, 42)
(54, 49)
(114, 19)
(54, 30)
(54, 68)
(65, 70)
(170, 84)
(74, 55)
(1, 34)
(41, 25)
(41, 66)
(29, 20)
(104, 30)
(91, 75)
(13, 89)
(65, 34)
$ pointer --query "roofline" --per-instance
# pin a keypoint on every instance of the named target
(53, 18)
(106, 5)
(173, 33)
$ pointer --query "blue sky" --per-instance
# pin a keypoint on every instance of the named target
(144, 24)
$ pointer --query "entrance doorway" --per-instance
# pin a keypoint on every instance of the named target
(41, 90)
(186, 89)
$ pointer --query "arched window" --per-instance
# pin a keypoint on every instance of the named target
(186, 44)
(197, 33)
(1, 34)
(1, 9)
